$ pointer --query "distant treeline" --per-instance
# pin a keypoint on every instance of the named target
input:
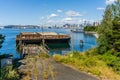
(91, 28)
(22, 26)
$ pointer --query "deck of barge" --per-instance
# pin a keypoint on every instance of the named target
(37, 37)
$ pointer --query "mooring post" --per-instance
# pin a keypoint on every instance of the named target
(81, 43)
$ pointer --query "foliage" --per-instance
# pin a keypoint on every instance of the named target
(111, 61)
(44, 55)
(109, 30)
(2, 56)
(7, 73)
(105, 60)
(1, 39)
(109, 37)
(90, 28)
(115, 37)
(91, 62)
(105, 31)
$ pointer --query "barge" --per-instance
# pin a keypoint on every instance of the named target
(40, 42)
(37, 37)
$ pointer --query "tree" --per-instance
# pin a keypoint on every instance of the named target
(105, 31)
(109, 30)
(116, 34)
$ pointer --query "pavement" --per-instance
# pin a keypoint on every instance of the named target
(49, 69)
(67, 73)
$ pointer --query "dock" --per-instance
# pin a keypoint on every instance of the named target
(35, 42)
(33, 50)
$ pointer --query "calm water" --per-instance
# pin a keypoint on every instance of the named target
(9, 45)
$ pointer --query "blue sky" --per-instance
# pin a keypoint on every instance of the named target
(35, 12)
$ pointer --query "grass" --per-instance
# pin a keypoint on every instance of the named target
(8, 73)
(51, 71)
(91, 62)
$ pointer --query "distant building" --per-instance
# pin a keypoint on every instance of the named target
(66, 26)
(95, 24)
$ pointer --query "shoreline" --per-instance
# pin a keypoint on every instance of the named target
(93, 33)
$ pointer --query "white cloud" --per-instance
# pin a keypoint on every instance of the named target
(53, 15)
(48, 17)
(100, 8)
(72, 20)
(73, 13)
(67, 19)
(75, 20)
(59, 10)
(110, 1)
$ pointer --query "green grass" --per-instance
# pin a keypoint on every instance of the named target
(8, 73)
(104, 66)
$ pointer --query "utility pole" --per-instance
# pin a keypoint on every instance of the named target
(43, 41)
(72, 39)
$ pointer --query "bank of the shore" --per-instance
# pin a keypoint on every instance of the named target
(93, 33)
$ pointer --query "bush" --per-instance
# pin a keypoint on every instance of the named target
(57, 57)
(111, 60)
(90, 28)
(7, 73)
(45, 55)
(91, 62)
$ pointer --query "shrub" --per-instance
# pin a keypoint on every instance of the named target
(7, 73)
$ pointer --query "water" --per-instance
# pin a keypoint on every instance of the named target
(9, 45)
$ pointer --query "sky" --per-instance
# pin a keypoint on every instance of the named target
(36, 12)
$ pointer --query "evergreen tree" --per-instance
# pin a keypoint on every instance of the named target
(105, 31)
(116, 34)
(109, 30)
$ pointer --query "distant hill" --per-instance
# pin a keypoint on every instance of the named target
(22, 26)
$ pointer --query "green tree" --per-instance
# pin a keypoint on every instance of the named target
(109, 30)
(116, 34)
(91, 28)
(105, 31)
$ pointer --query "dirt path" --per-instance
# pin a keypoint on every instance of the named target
(47, 69)
(67, 73)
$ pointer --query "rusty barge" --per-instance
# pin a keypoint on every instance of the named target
(39, 42)
(37, 37)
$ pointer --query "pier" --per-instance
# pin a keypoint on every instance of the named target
(35, 42)
(33, 50)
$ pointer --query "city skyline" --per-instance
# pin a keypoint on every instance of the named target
(36, 12)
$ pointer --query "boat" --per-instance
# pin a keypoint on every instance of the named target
(77, 30)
